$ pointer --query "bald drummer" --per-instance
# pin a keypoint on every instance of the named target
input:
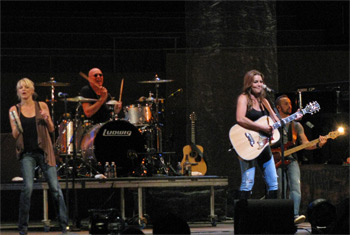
(98, 111)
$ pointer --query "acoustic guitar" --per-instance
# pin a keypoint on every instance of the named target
(277, 151)
(193, 154)
(248, 144)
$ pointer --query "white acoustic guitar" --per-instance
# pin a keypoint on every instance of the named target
(248, 144)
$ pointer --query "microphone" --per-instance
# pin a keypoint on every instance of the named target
(15, 118)
(175, 92)
(268, 89)
(61, 94)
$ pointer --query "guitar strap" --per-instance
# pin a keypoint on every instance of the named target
(267, 106)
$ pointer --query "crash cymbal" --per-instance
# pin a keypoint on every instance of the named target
(80, 99)
(149, 99)
(53, 83)
(156, 81)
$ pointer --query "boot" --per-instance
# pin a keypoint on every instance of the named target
(245, 194)
(272, 194)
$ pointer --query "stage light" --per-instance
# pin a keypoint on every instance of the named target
(321, 215)
(341, 130)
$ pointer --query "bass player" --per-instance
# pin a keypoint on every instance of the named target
(293, 132)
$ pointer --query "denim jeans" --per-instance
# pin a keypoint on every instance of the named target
(28, 163)
(292, 179)
(266, 165)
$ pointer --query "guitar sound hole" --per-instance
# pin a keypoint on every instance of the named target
(195, 156)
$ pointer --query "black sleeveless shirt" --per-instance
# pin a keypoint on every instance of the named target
(254, 114)
(30, 135)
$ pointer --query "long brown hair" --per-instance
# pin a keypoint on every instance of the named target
(247, 85)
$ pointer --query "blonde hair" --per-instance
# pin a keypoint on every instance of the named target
(28, 83)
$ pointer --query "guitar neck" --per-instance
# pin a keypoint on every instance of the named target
(286, 120)
(193, 133)
(300, 147)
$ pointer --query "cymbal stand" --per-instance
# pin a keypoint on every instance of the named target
(52, 107)
(157, 126)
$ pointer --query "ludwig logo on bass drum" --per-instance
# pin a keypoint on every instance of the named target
(116, 133)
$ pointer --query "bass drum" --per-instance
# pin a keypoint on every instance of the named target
(114, 141)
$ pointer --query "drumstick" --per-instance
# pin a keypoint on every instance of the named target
(121, 90)
(90, 80)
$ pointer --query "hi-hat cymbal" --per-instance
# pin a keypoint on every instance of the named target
(53, 83)
(80, 99)
(111, 102)
(156, 81)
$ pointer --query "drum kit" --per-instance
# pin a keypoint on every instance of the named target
(133, 143)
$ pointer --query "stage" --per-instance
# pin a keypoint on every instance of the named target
(222, 228)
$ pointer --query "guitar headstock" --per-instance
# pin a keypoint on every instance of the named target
(311, 108)
(333, 134)
(193, 117)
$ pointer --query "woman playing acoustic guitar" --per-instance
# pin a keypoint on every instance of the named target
(252, 105)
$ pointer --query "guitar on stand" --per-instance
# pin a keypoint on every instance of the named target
(193, 154)
(277, 151)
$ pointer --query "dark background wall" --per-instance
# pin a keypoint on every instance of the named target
(205, 47)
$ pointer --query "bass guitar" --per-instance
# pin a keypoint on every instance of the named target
(248, 144)
(193, 154)
(277, 151)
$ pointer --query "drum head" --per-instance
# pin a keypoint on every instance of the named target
(119, 142)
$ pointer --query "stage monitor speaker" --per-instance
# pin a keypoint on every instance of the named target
(105, 221)
(269, 216)
(10, 166)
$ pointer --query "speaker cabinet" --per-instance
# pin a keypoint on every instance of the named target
(269, 216)
(9, 164)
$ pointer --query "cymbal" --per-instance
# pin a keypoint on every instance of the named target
(111, 102)
(80, 99)
(149, 99)
(152, 99)
(53, 83)
(156, 81)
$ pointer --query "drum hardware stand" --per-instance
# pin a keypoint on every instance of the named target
(76, 224)
(76, 220)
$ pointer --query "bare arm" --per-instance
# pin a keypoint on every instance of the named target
(15, 131)
(91, 109)
(304, 140)
(45, 113)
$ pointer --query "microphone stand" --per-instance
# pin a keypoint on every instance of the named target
(76, 221)
(283, 167)
(66, 155)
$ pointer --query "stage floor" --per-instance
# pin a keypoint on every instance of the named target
(222, 228)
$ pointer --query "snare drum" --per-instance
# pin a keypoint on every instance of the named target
(138, 115)
(114, 141)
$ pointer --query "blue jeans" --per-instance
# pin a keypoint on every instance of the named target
(28, 163)
(292, 179)
(266, 164)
